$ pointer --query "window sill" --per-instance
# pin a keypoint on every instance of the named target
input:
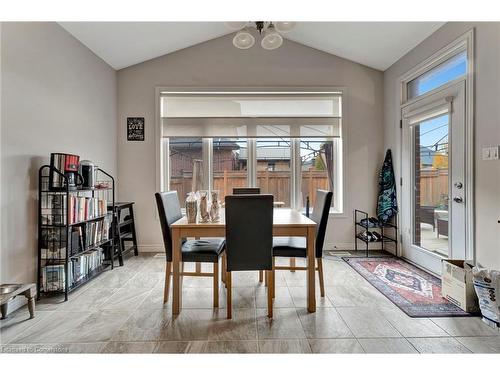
(334, 213)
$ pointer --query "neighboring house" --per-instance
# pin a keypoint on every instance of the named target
(184, 150)
(269, 158)
(426, 157)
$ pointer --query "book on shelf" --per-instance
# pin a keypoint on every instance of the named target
(80, 267)
(54, 209)
(53, 278)
(86, 208)
(97, 231)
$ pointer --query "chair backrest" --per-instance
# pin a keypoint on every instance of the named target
(169, 210)
(249, 232)
(320, 217)
(246, 190)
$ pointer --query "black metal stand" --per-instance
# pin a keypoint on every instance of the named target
(83, 247)
(362, 216)
(124, 230)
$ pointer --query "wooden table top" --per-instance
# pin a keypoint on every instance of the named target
(282, 217)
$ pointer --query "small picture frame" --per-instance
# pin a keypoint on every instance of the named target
(135, 128)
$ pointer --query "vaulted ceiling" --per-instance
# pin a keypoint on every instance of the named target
(375, 44)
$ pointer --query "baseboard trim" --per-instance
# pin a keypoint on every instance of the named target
(151, 248)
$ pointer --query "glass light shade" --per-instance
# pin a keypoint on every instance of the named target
(236, 25)
(243, 39)
(284, 27)
(272, 39)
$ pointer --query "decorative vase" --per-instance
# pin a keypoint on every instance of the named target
(191, 208)
(215, 207)
(204, 214)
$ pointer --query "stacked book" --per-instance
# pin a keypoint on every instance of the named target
(82, 266)
(54, 210)
(85, 208)
(97, 231)
(54, 277)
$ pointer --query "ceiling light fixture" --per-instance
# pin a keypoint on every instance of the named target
(270, 32)
(272, 39)
(243, 39)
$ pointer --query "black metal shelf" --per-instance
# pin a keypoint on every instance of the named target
(81, 252)
(55, 204)
(93, 274)
(91, 247)
(126, 222)
(75, 190)
(97, 218)
(385, 238)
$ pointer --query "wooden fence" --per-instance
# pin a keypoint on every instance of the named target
(272, 182)
(433, 186)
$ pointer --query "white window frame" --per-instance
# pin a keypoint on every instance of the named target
(162, 159)
(465, 42)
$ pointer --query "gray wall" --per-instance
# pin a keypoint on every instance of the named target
(218, 63)
(57, 96)
(486, 124)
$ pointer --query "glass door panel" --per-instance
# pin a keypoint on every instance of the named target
(431, 185)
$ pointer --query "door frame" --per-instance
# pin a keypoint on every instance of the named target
(465, 42)
(450, 100)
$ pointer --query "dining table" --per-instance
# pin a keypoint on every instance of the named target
(287, 222)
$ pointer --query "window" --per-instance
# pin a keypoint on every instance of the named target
(316, 165)
(285, 143)
(453, 68)
(274, 169)
(183, 152)
(229, 165)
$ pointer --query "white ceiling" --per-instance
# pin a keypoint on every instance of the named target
(375, 44)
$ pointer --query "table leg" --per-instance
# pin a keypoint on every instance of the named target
(292, 264)
(311, 266)
(176, 277)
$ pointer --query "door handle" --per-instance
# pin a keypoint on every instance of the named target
(458, 199)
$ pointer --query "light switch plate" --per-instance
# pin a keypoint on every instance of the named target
(490, 152)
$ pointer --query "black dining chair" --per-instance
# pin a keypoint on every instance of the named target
(249, 240)
(296, 246)
(246, 190)
(203, 251)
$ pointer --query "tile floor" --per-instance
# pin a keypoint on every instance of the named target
(121, 311)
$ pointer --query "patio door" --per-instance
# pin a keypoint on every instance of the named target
(433, 191)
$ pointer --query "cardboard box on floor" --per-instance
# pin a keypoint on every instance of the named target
(457, 284)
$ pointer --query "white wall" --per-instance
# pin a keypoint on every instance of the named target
(57, 96)
(218, 63)
(486, 124)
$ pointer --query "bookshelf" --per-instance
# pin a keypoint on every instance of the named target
(75, 232)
